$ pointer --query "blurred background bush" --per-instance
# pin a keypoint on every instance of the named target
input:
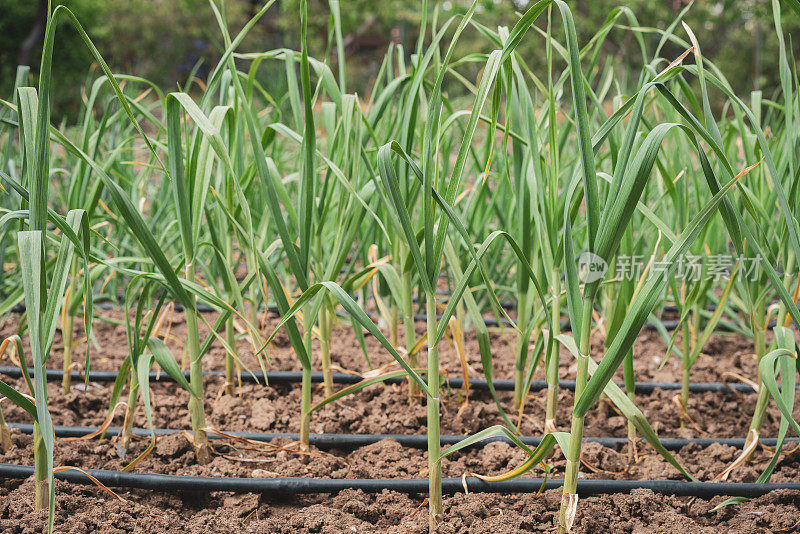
(163, 40)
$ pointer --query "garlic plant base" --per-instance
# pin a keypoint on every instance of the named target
(549, 426)
(569, 503)
(5, 438)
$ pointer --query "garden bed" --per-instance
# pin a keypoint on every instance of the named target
(724, 353)
(386, 409)
(84, 509)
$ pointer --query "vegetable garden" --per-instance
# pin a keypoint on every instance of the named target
(553, 296)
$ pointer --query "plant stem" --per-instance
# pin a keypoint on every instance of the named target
(434, 443)
(761, 408)
(305, 395)
(42, 488)
(410, 334)
(788, 286)
(521, 352)
(519, 379)
(130, 410)
(67, 321)
(230, 365)
(196, 404)
(760, 345)
(325, 348)
(230, 333)
(66, 330)
(305, 407)
(5, 434)
(687, 367)
(394, 326)
(569, 498)
(552, 368)
(253, 311)
(630, 389)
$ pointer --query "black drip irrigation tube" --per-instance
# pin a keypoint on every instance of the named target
(413, 441)
(107, 305)
(295, 377)
(297, 485)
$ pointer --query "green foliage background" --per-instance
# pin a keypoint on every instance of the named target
(163, 39)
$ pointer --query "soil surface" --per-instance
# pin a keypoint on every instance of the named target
(173, 454)
(84, 510)
(387, 409)
(724, 353)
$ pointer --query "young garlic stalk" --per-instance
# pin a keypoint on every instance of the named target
(34, 139)
(40, 469)
(410, 334)
(230, 332)
(759, 325)
(305, 393)
(630, 390)
(569, 498)
(434, 443)
(41, 327)
(553, 364)
(394, 324)
(552, 129)
(307, 198)
(230, 363)
(325, 321)
(264, 166)
(760, 348)
(196, 406)
(5, 434)
(521, 353)
(67, 322)
(130, 410)
(622, 297)
(188, 225)
(686, 363)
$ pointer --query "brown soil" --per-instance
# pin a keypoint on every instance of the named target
(724, 353)
(173, 454)
(385, 409)
(82, 509)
